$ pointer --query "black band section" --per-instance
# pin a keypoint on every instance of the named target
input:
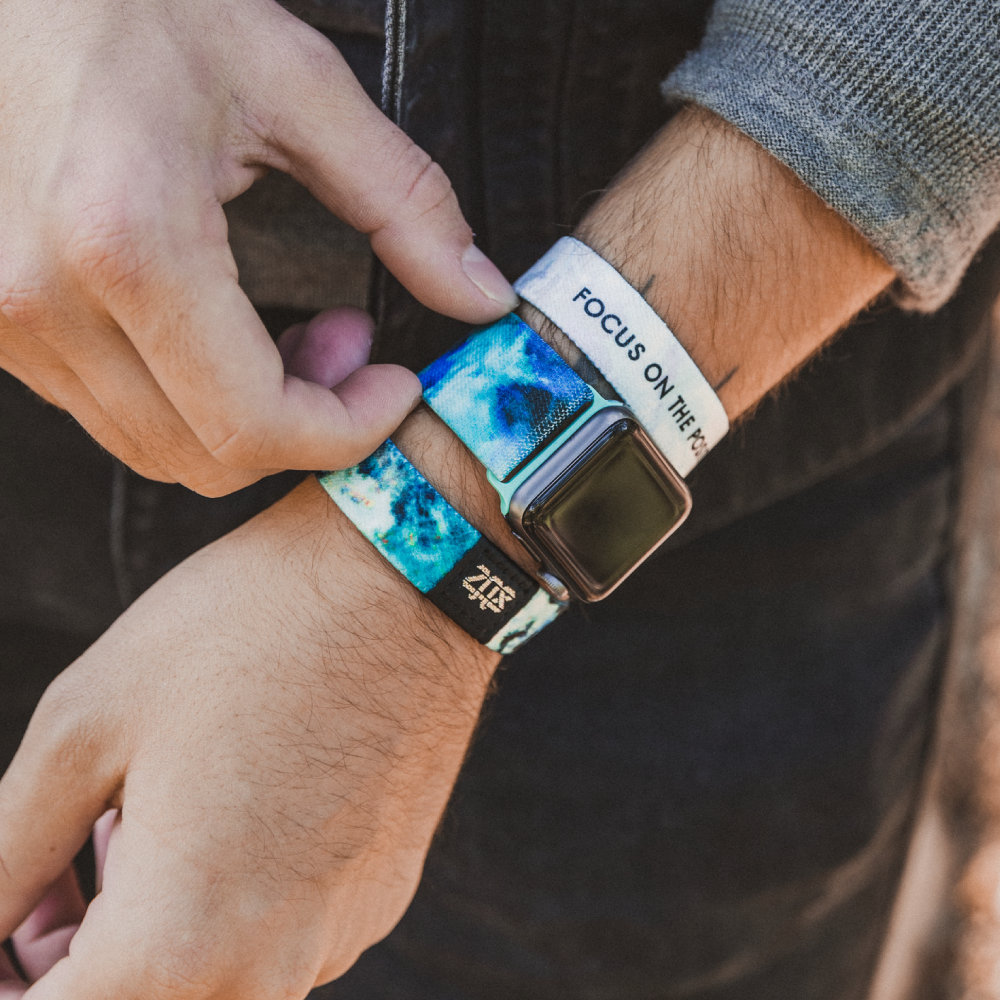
(483, 591)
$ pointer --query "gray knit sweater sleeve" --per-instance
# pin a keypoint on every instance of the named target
(888, 109)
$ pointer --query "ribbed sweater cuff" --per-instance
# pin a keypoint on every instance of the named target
(859, 146)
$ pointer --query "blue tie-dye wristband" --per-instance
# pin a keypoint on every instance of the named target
(439, 552)
(504, 392)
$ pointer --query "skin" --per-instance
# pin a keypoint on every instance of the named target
(125, 127)
(277, 724)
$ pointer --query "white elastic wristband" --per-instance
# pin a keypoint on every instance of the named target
(631, 347)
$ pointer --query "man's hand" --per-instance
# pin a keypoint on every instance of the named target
(124, 127)
(280, 719)
(275, 727)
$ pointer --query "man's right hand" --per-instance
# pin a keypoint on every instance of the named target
(124, 127)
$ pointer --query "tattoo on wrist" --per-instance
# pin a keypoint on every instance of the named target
(725, 378)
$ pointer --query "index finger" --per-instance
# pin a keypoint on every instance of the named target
(328, 134)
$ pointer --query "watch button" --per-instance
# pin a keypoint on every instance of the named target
(554, 586)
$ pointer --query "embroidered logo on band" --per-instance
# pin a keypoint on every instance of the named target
(632, 348)
(489, 590)
(483, 591)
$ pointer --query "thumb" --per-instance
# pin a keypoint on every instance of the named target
(367, 171)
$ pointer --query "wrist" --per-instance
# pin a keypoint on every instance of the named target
(311, 539)
(457, 474)
(746, 265)
(427, 441)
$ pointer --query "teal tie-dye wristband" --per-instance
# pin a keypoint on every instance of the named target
(439, 552)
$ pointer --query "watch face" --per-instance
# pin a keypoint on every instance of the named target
(599, 519)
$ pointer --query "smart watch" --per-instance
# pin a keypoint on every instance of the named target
(628, 343)
(580, 481)
(591, 486)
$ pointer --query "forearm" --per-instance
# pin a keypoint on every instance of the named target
(412, 679)
(751, 271)
(912, 160)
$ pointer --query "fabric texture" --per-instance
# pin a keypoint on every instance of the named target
(505, 393)
(622, 336)
(402, 515)
(890, 111)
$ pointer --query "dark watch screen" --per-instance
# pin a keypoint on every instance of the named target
(607, 514)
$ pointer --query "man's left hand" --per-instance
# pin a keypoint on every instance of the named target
(277, 725)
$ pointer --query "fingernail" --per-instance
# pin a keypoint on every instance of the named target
(483, 273)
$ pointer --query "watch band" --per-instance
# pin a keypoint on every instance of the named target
(505, 393)
(439, 552)
(631, 346)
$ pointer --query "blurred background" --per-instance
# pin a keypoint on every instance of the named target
(945, 936)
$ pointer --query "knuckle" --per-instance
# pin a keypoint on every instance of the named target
(429, 188)
(405, 187)
(237, 442)
(315, 54)
(290, 42)
(198, 966)
(299, 61)
(104, 244)
(63, 700)
(338, 965)
(27, 282)
(185, 971)
(25, 301)
(156, 447)
(215, 482)
(70, 722)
